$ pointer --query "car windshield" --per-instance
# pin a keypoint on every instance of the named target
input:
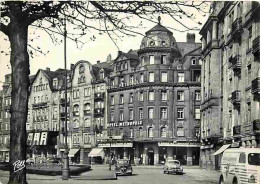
(122, 162)
(174, 162)
(254, 158)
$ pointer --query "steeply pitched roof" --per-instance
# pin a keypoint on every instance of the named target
(159, 27)
(185, 47)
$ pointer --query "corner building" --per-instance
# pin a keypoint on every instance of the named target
(230, 104)
(154, 101)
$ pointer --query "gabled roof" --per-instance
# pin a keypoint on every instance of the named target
(129, 55)
(185, 47)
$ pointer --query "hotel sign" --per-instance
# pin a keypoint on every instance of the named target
(126, 124)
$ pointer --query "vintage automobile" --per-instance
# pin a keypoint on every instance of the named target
(172, 166)
(123, 167)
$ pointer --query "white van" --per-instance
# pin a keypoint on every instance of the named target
(240, 166)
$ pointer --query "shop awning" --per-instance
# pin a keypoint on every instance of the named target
(97, 152)
(223, 148)
(72, 152)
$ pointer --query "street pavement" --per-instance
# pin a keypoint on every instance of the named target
(141, 175)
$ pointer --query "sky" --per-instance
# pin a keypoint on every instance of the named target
(92, 51)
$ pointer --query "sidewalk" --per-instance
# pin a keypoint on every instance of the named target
(96, 174)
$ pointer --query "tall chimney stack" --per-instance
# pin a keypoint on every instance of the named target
(190, 38)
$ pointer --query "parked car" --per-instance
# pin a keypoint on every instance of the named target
(240, 165)
(172, 166)
(123, 167)
(30, 161)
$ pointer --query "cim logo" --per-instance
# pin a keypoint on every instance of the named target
(19, 165)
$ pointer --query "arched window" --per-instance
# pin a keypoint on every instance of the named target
(76, 110)
(163, 132)
(76, 123)
(150, 132)
(87, 107)
(87, 122)
(140, 132)
(81, 68)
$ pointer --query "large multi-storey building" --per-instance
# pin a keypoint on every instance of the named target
(230, 79)
(154, 101)
(145, 104)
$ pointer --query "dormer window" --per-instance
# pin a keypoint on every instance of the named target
(193, 61)
(55, 83)
(102, 76)
(81, 68)
(163, 43)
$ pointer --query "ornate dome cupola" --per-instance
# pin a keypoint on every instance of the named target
(159, 38)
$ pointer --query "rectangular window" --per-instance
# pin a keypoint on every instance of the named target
(151, 59)
(131, 114)
(180, 113)
(141, 113)
(121, 116)
(121, 99)
(249, 44)
(180, 77)
(180, 131)
(163, 113)
(151, 77)
(112, 116)
(141, 96)
(164, 95)
(151, 95)
(141, 78)
(163, 59)
(131, 98)
(112, 102)
(197, 113)
(164, 77)
(142, 61)
(150, 113)
(180, 95)
(197, 95)
(131, 80)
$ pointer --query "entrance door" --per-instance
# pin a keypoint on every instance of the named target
(150, 157)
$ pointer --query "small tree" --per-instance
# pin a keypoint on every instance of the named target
(110, 17)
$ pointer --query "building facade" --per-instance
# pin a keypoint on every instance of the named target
(230, 79)
(154, 101)
(144, 105)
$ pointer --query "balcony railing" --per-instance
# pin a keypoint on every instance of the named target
(237, 28)
(255, 86)
(87, 112)
(40, 105)
(237, 130)
(256, 46)
(236, 62)
(99, 96)
(256, 125)
(99, 112)
(235, 99)
(62, 101)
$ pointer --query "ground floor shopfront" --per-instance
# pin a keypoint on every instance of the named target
(152, 153)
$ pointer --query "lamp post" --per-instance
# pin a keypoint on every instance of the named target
(65, 168)
(110, 158)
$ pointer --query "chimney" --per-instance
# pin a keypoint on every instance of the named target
(71, 67)
(47, 68)
(98, 62)
(190, 38)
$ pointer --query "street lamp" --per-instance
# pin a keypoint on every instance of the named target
(110, 156)
(65, 168)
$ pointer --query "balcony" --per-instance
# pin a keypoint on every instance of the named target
(87, 112)
(235, 99)
(236, 130)
(256, 126)
(256, 46)
(255, 86)
(62, 102)
(236, 63)
(99, 96)
(237, 29)
(62, 115)
(39, 105)
(99, 112)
